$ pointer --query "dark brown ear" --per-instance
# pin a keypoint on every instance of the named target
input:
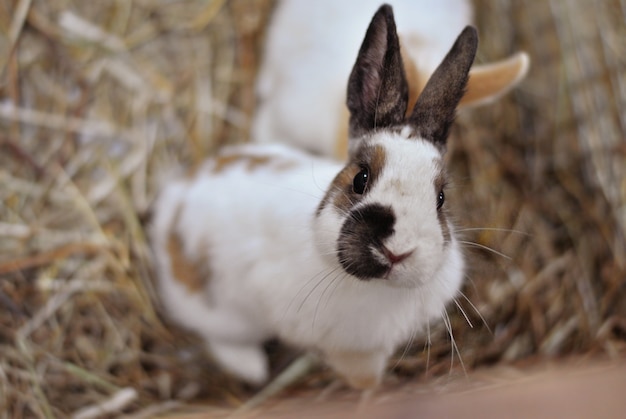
(434, 111)
(377, 88)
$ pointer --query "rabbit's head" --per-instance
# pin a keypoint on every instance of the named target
(384, 216)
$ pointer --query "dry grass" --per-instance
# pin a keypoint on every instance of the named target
(97, 98)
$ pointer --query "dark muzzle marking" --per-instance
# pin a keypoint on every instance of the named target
(365, 228)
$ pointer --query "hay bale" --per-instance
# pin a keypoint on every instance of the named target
(96, 98)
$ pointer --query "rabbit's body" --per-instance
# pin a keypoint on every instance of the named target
(310, 50)
(267, 274)
(349, 260)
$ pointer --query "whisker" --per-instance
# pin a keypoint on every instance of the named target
(319, 300)
(337, 283)
(468, 279)
(428, 344)
(456, 302)
(406, 348)
(300, 290)
(502, 230)
(455, 348)
(330, 252)
(482, 246)
(477, 311)
(314, 288)
(292, 189)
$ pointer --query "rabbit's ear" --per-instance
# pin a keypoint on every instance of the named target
(377, 88)
(434, 111)
(487, 82)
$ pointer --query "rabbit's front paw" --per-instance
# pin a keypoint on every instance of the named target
(248, 362)
(361, 370)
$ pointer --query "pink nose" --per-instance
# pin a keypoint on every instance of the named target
(393, 258)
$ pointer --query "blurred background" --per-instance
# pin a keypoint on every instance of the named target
(97, 98)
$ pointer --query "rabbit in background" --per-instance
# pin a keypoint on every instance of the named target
(311, 47)
(347, 260)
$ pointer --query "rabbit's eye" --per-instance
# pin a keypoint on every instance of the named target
(360, 181)
(440, 199)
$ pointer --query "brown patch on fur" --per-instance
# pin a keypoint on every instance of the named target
(225, 161)
(440, 180)
(340, 191)
(281, 166)
(375, 157)
(443, 222)
(253, 162)
(344, 198)
(193, 274)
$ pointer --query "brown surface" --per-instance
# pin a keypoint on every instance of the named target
(548, 391)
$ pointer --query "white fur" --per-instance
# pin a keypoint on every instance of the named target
(274, 272)
(310, 50)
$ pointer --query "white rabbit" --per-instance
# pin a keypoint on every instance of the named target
(349, 261)
(310, 49)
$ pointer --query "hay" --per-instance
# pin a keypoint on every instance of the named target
(97, 98)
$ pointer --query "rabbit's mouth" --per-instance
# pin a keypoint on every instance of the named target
(372, 262)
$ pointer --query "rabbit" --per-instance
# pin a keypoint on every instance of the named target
(310, 48)
(347, 260)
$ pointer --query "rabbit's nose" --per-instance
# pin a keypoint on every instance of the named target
(394, 258)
